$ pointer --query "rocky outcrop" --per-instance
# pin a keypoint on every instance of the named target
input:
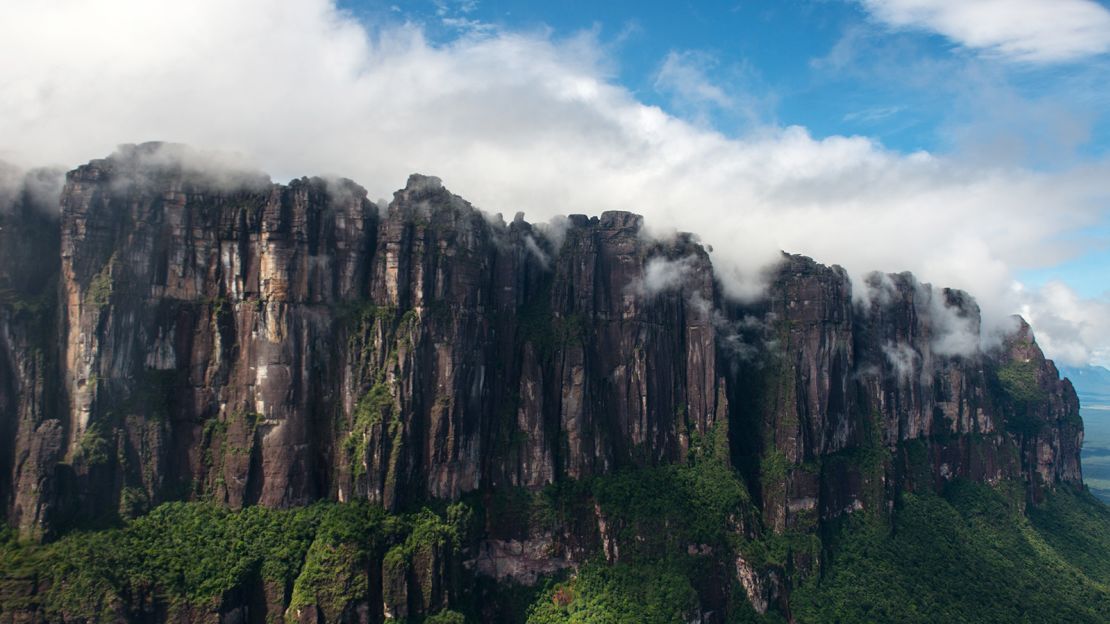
(844, 399)
(264, 344)
(184, 333)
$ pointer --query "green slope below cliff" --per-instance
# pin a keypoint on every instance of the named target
(968, 556)
(971, 555)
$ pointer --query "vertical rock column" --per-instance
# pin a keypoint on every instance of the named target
(32, 439)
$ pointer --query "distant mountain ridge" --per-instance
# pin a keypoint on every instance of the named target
(1092, 384)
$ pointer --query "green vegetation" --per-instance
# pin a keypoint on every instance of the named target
(100, 287)
(374, 330)
(973, 554)
(774, 466)
(446, 616)
(375, 405)
(671, 523)
(133, 502)
(27, 303)
(1019, 382)
(370, 408)
(232, 435)
(970, 556)
(778, 550)
(639, 593)
(346, 538)
(191, 554)
(663, 509)
(364, 313)
(1021, 392)
(94, 446)
(425, 531)
(1075, 524)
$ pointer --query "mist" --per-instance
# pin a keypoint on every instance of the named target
(36, 189)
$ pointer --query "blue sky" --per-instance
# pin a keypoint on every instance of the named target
(965, 141)
(827, 65)
(833, 68)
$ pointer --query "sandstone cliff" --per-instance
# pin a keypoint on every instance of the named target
(177, 334)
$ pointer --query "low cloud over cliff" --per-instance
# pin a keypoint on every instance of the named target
(521, 121)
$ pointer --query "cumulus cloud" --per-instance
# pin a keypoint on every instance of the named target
(1033, 31)
(1071, 329)
(514, 121)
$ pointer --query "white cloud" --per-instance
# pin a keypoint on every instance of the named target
(902, 358)
(662, 274)
(39, 188)
(513, 122)
(453, 14)
(873, 114)
(1070, 328)
(702, 88)
(953, 333)
(687, 74)
(1034, 31)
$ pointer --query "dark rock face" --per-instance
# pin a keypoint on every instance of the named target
(176, 335)
(31, 437)
(262, 344)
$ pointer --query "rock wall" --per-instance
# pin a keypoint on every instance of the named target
(31, 438)
(253, 343)
(835, 381)
(182, 333)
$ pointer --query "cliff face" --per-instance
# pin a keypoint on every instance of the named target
(181, 334)
(31, 436)
(899, 369)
